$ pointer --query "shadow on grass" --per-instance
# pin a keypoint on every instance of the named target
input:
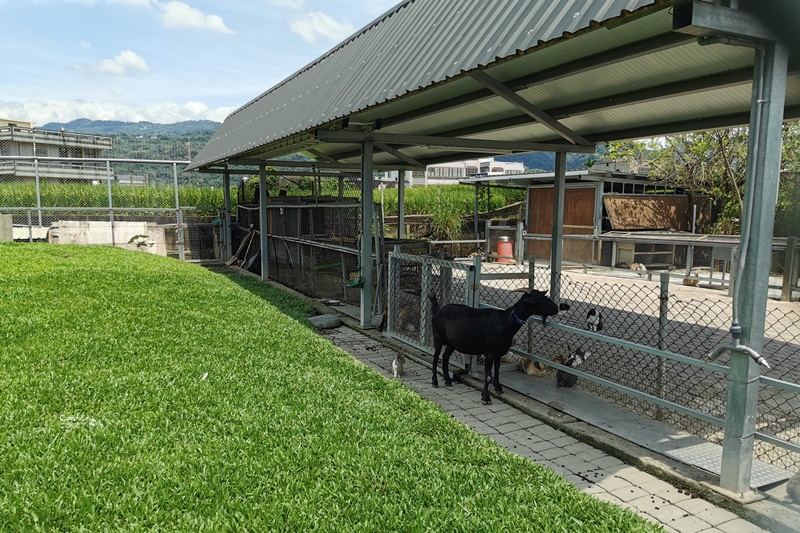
(286, 303)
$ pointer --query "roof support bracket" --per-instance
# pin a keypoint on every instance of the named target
(526, 107)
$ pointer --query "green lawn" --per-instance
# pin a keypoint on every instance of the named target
(141, 393)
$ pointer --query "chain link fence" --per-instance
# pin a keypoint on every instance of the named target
(645, 313)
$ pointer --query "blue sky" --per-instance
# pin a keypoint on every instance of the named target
(160, 60)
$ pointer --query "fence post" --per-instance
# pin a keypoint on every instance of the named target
(110, 203)
(178, 215)
(394, 288)
(425, 305)
(790, 267)
(38, 186)
(226, 235)
(531, 285)
(663, 311)
(30, 226)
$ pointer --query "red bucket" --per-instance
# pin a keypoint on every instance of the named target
(505, 247)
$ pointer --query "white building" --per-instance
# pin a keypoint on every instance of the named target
(450, 173)
(20, 140)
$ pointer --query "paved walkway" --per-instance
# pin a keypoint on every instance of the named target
(591, 470)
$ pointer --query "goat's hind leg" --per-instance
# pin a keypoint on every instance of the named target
(487, 378)
(496, 378)
(446, 366)
(435, 380)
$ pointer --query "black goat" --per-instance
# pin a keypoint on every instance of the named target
(487, 332)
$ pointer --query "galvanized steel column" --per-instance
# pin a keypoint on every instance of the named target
(263, 220)
(763, 164)
(226, 217)
(366, 234)
(557, 244)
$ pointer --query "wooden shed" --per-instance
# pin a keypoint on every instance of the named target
(596, 202)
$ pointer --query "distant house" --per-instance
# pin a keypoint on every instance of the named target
(54, 155)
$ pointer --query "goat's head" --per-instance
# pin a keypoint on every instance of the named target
(537, 303)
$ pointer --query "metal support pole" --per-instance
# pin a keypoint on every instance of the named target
(475, 215)
(763, 165)
(178, 215)
(110, 203)
(663, 312)
(557, 244)
(367, 206)
(226, 234)
(263, 221)
(401, 204)
(38, 188)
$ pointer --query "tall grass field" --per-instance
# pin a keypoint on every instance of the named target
(139, 393)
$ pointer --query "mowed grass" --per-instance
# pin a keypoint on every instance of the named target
(141, 393)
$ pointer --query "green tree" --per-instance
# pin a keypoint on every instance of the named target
(712, 164)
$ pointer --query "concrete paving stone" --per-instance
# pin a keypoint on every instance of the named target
(607, 462)
(579, 482)
(523, 435)
(476, 410)
(576, 466)
(654, 485)
(612, 483)
(696, 506)
(509, 427)
(739, 526)
(591, 455)
(502, 440)
(667, 513)
(553, 453)
(563, 442)
(690, 524)
(716, 515)
(631, 474)
(673, 495)
(629, 493)
(577, 447)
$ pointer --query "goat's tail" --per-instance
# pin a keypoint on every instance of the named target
(434, 302)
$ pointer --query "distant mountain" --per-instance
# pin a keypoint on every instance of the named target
(117, 127)
(546, 161)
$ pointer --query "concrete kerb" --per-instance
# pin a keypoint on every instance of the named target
(766, 514)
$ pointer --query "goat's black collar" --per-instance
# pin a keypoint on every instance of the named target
(518, 319)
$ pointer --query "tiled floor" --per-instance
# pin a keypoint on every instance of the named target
(591, 470)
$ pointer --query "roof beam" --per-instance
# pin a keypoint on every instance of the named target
(504, 92)
(312, 164)
(683, 126)
(320, 156)
(455, 143)
(399, 155)
(599, 60)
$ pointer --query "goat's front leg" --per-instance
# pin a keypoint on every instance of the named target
(487, 378)
(496, 380)
(446, 366)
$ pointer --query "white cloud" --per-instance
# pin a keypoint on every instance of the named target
(291, 4)
(176, 14)
(85, 44)
(134, 3)
(41, 112)
(317, 24)
(126, 62)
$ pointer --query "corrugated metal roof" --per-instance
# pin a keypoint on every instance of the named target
(409, 69)
(416, 44)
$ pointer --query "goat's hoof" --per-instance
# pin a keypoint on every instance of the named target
(435, 385)
(486, 402)
(448, 383)
(498, 390)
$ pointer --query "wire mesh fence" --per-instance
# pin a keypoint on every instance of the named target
(646, 313)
